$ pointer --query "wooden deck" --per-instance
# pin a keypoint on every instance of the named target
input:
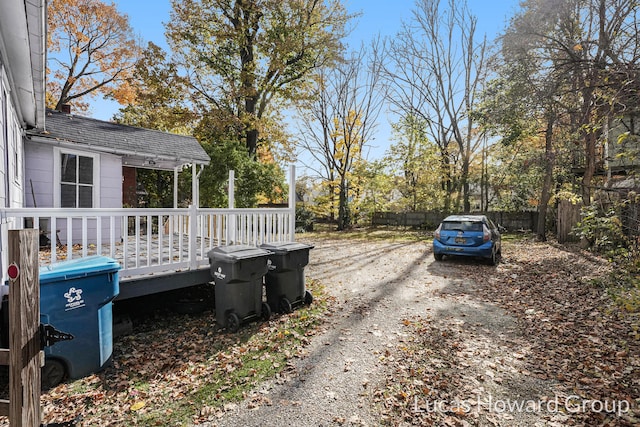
(157, 249)
(169, 263)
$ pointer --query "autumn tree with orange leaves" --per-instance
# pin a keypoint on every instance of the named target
(91, 50)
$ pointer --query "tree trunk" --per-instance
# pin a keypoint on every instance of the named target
(248, 89)
(343, 209)
(252, 142)
(590, 167)
(466, 202)
(541, 229)
(446, 180)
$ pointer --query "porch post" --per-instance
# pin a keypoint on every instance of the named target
(175, 187)
(292, 203)
(194, 186)
(193, 237)
(232, 216)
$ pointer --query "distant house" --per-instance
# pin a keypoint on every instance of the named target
(22, 79)
(616, 155)
(80, 162)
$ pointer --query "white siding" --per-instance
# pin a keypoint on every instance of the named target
(110, 181)
(15, 172)
(41, 163)
(4, 258)
(11, 164)
(3, 138)
(11, 170)
(38, 175)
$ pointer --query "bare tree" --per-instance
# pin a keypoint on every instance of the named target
(434, 68)
(339, 121)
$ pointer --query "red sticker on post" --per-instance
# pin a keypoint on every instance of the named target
(13, 271)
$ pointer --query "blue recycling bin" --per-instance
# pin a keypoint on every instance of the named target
(76, 297)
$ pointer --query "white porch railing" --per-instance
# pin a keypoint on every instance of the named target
(151, 240)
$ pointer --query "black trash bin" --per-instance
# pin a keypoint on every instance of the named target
(285, 282)
(238, 271)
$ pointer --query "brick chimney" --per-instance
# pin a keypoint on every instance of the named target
(66, 108)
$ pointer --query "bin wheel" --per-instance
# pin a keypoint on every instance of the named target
(308, 298)
(233, 322)
(53, 372)
(285, 306)
(266, 312)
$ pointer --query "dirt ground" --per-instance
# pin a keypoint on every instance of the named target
(534, 341)
(414, 341)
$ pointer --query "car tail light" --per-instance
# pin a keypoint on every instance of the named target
(436, 233)
(486, 234)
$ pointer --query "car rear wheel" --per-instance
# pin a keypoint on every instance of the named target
(494, 258)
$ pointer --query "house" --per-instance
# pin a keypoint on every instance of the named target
(69, 176)
(80, 162)
(618, 152)
(22, 92)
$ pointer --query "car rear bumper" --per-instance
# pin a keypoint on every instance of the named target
(484, 251)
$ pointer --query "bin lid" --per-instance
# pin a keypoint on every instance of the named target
(236, 252)
(76, 268)
(280, 248)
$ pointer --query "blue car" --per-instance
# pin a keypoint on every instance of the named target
(467, 235)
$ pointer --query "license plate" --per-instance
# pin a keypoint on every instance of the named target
(460, 240)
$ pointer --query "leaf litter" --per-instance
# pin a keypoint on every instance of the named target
(569, 357)
(534, 330)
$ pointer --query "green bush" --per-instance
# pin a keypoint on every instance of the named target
(602, 229)
(304, 219)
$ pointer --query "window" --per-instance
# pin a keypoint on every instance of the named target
(76, 180)
(462, 225)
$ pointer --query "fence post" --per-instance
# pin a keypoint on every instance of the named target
(568, 217)
(24, 335)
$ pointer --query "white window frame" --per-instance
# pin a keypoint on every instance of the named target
(57, 174)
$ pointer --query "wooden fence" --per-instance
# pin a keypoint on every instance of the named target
(24, 356)
(568, 217)
(429, 220)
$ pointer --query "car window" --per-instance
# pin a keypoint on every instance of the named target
(462, 225)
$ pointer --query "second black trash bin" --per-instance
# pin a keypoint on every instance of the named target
(237, 272)
(285, 282)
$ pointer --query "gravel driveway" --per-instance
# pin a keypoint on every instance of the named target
(377, 285)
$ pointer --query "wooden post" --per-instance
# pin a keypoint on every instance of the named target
(292, 203)
(568, 217)
(231, 226)
(24, 333)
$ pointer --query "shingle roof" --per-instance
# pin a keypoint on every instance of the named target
(122, 139)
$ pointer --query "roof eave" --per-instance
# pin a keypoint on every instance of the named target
(24, 48)
(145, 158)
